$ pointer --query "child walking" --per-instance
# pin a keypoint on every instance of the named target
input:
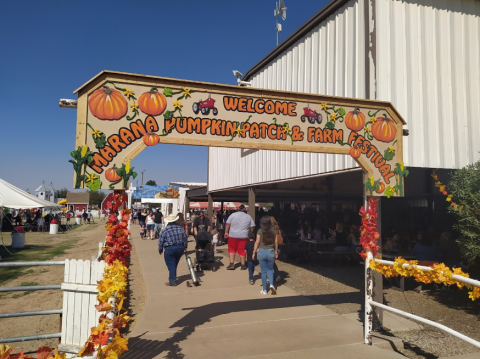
(251, 256)
(142, 231)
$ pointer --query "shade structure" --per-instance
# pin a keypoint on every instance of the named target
(216, 205)
(14, 197)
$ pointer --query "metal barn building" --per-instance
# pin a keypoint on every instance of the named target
(421, 55)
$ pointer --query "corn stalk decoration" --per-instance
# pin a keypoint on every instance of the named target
(372, 185)
(125, 172)
(400, 172)
(81, 158)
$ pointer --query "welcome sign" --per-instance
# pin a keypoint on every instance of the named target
(119, 115)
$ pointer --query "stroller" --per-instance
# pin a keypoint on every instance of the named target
(204, 252)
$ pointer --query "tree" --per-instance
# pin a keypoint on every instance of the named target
(62, 193)
(465, 188)
(96, 197)
(151, 183)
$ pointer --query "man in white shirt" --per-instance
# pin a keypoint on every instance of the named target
(236, 230)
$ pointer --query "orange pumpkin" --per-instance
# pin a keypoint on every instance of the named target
(152, 102)
(381, 187)
(107, 104)
(354, 152)
(111, 174)
(151, 139)
(355, 120)
(384, 129)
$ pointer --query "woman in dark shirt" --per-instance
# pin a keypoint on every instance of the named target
(340, 237)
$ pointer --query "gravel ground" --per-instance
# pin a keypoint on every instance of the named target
(340, 289)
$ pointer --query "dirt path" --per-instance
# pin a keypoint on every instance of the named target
(79, 243)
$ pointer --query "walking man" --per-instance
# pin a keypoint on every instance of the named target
(236, 230)
(201, 224)
(174, 241)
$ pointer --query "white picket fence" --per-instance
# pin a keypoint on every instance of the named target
(79, 300)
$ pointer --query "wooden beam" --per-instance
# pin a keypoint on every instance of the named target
(210, 209)
(251, 202)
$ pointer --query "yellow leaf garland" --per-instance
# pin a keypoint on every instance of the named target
(440, 274)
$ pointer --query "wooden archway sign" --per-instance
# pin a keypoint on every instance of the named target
(120, 114)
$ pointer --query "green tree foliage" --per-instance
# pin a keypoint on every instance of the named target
(96, 197)
(465, 187)
(62, 193)
(151, 183)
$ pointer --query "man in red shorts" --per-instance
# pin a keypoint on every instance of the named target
(236, 230)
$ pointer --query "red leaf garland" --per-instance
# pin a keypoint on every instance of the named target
(368, 229)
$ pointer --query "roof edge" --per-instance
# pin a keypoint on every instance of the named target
(325, 12)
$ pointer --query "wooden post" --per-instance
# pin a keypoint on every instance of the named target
(378, 277)
(210, 209)
(187, 207)
(251, 202)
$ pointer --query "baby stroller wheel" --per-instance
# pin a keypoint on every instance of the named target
(214, 269)
(198, 268)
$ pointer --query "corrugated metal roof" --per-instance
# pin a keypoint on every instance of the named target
(320, 16)
(426, 57)
(328, 60)
(188, 184)
(428, 66)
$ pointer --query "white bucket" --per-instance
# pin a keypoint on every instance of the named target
(78, 220)
(53, 228)
(18, 240)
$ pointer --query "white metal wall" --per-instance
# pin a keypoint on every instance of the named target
(329, 60)
(428, 66)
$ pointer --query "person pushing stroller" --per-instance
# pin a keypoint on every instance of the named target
(204, 251)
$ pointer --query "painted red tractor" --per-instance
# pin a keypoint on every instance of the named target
(205, 106)
(311, 116)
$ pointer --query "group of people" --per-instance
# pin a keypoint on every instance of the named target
(426, 247)
(29, 218)
(151, 222)
(238, 229)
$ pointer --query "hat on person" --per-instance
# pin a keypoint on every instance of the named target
(171, 218)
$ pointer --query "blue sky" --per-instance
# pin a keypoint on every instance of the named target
(50, 48)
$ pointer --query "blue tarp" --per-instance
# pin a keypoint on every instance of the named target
(151, 191)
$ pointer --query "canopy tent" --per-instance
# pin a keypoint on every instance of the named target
(14, 197)
(159, 200)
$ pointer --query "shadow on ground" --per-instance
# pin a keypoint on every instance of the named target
(142, 348)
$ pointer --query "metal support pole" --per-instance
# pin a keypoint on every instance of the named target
(27, 264)
(30, 337)
(30, 287)
(31, 313)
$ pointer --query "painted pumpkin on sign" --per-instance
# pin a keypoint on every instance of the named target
(107, 104)
(152, 102)
(151, 139)
(111, 174)
(384, 129)
(355, 120)
(381, 188)
(354, 152)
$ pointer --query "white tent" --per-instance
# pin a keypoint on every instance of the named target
(14, 197)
